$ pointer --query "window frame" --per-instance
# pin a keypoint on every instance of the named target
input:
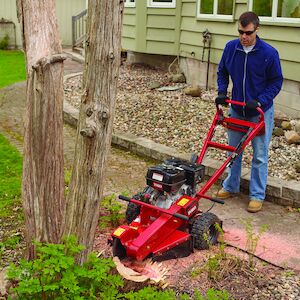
(129, 4)
(150, 3)
(214, 16)
(274, 18)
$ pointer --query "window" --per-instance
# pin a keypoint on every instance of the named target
(129, 3)
(277, 10)
(162, 3)
(221, 9)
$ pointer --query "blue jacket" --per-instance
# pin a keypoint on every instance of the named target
(255, 76)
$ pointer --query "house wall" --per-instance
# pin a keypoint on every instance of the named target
(177, 31)
(151, 30)
(65, 10)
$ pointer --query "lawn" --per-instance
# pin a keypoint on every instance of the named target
(12, 67)
(10, 175)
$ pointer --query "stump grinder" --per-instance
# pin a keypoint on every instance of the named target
(165, 215)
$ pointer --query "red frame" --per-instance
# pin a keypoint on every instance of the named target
(159, 230)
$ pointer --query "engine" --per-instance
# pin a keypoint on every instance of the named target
(167, 182)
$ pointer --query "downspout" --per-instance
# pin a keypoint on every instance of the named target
(207, 38)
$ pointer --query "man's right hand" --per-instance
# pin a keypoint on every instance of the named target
(221, 99)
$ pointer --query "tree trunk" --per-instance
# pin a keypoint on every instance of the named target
(43, 179)
(95, 120)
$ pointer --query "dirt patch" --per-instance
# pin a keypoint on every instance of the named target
(197, 272)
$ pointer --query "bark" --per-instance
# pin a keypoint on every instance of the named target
(95, 120)
(43, 179)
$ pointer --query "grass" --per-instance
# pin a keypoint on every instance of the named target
(12, 67)
(10, 175)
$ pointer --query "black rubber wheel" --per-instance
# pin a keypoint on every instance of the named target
(118, 249)
(132, 211)
(205, 225)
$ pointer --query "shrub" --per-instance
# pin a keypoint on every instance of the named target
(213, 294)
(113, 209)
(54, 274)
(150, 293)
(4, 43)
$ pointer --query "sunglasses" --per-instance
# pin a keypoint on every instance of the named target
(241, 32)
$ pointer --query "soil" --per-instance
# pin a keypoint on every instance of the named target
(190, 273)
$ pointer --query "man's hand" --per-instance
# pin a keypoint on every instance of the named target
(221, 99)
(252, 104)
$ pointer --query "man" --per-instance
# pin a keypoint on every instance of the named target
(255, 71)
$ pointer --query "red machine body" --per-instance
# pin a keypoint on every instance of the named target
(156, 230)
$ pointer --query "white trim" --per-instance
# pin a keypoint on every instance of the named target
(161, 4)
(214, 15)
(273, 18)
(129, 4)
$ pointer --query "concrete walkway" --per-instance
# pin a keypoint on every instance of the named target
(279, 245)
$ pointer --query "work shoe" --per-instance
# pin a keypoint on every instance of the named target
(222, 194)
(255, 206)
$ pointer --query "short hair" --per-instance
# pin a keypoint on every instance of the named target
(249, 17)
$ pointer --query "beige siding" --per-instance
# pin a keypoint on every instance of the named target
(8, 11)
(129, 29)
(65, 10)
(160, 32)
(285, 38)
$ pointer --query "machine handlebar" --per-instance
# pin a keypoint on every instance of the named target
(242, 104)
(124, 198)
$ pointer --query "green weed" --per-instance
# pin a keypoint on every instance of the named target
(12, 242)
(252, 239)
(288, 273)
(219, 265)
(9, 244)
(213, 294)
(150, 293)
(112, 210)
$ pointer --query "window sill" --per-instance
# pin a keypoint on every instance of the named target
(161, 6)
(214, 18)
(169, 4)
(278, 22)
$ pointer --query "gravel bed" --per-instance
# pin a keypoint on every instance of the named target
(284, 287)
(177, 120)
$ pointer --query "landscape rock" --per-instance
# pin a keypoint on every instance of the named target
(3, 283)
(179, 121)
(297, 166)
(296, 125)
(286, 125)
(154, 85)
(278, 131)
(177, 78)
(279, 117)
(292, 137)
(194, 91)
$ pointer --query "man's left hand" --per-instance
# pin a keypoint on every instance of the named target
(252, 104)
